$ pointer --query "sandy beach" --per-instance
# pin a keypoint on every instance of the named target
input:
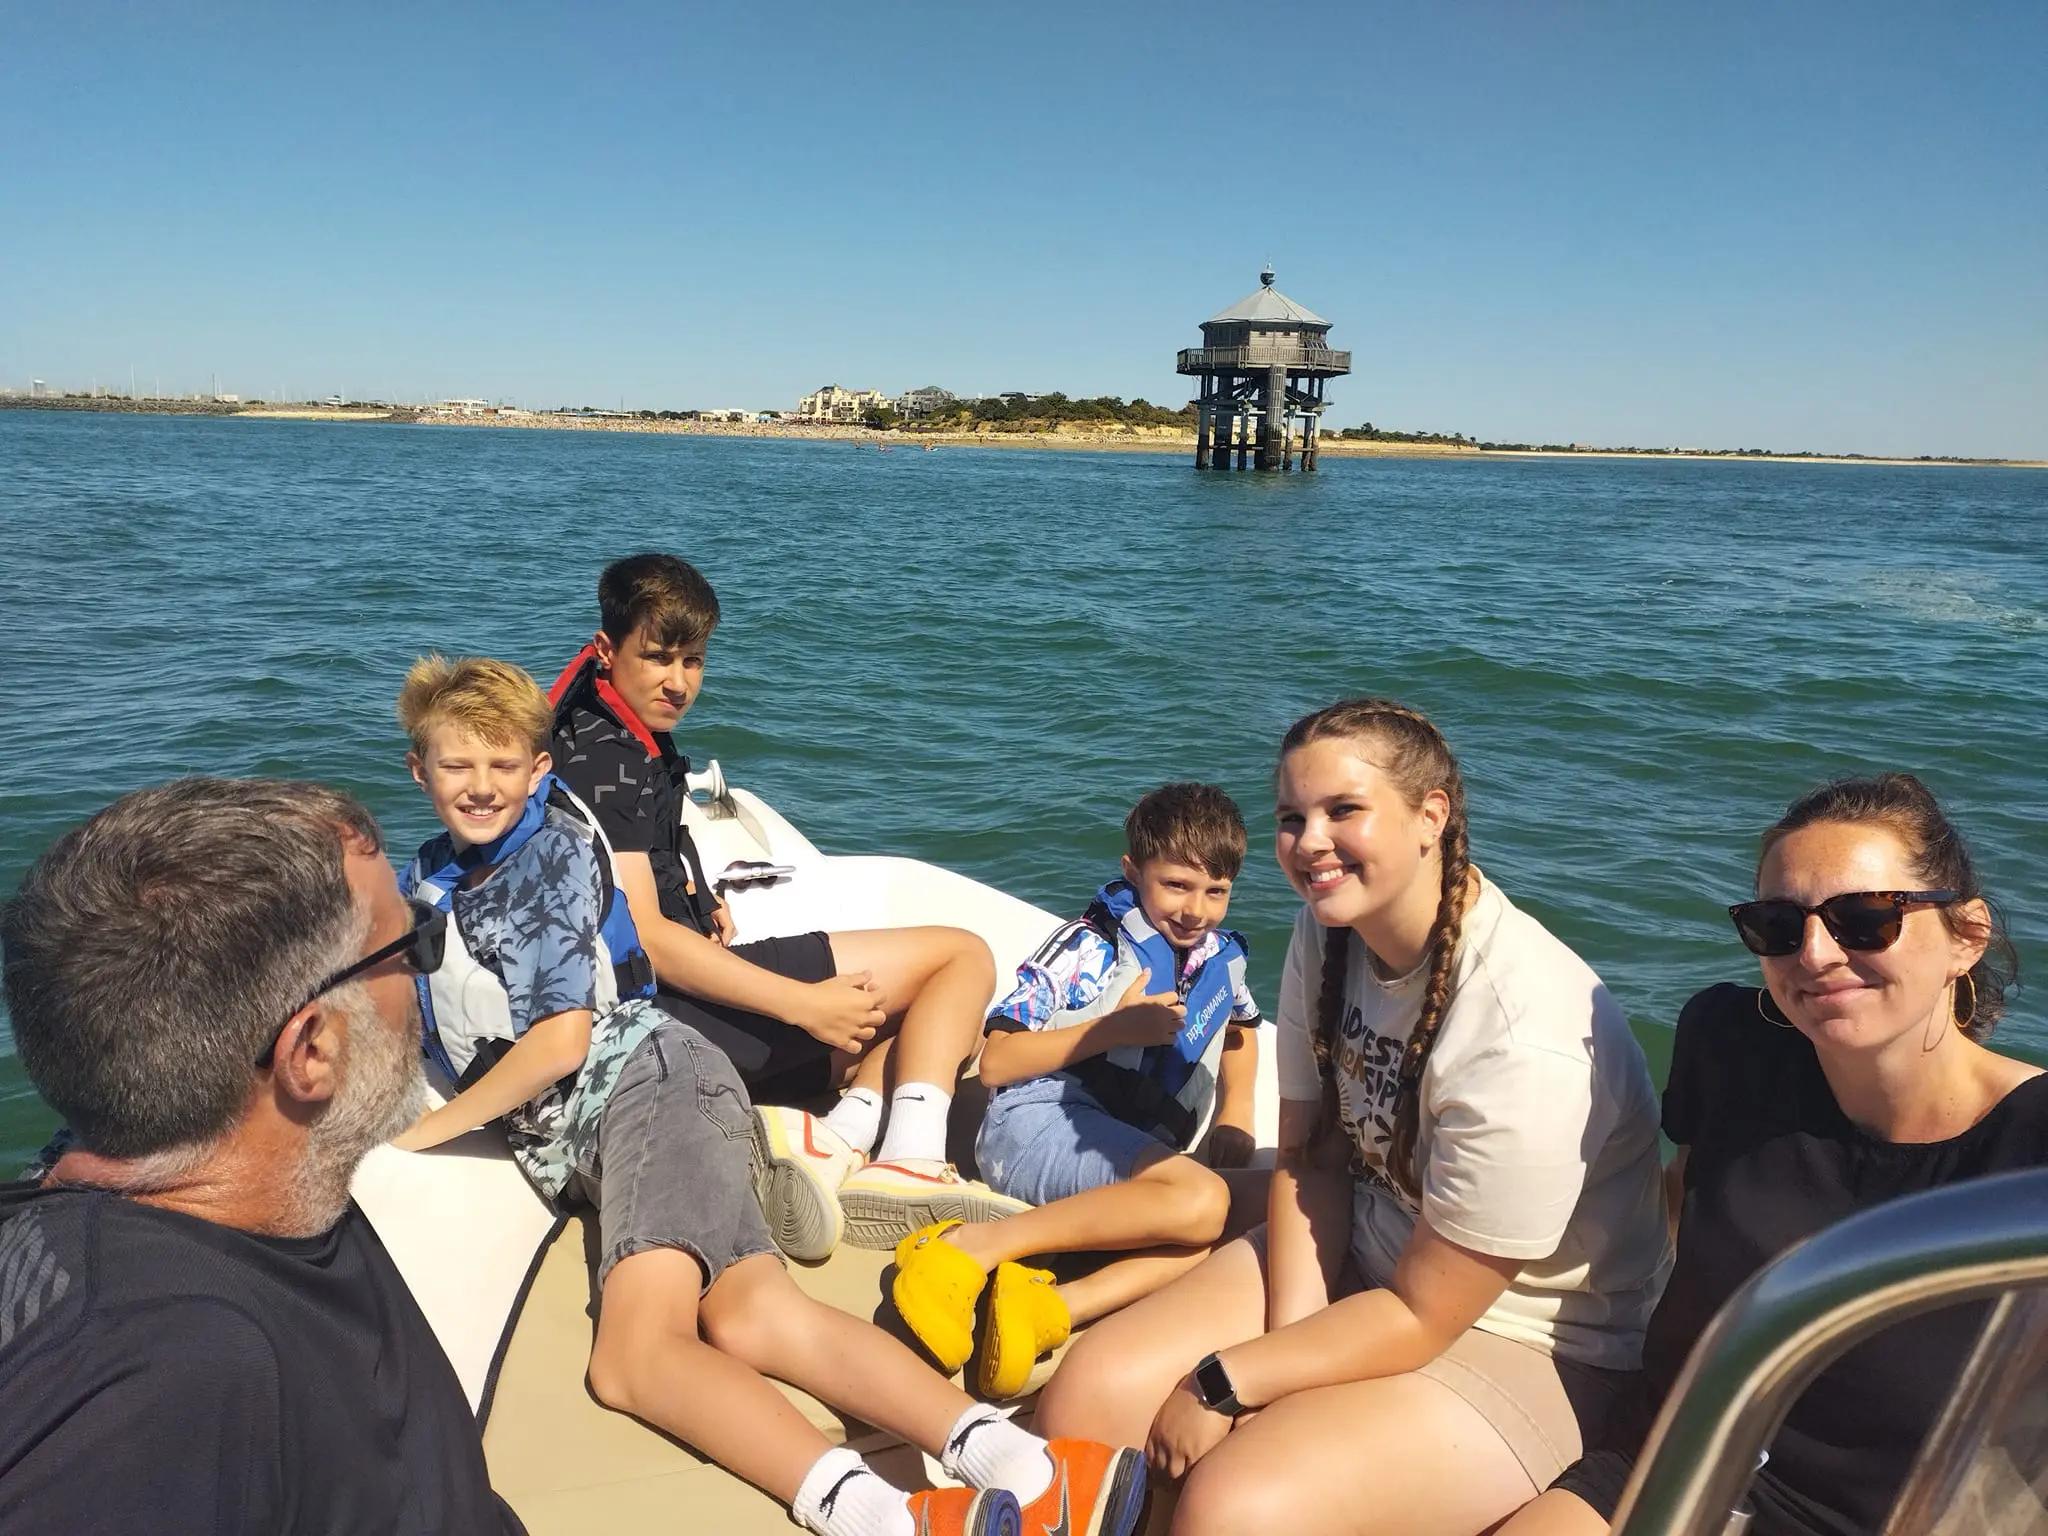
(1074, 437)
(1112, 438)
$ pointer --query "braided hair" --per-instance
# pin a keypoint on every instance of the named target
(1414, 755)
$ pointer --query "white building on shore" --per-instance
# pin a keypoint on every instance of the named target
(835, 404)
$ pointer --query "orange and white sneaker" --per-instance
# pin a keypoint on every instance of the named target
(799, 1164)
(886, 1202)
(966, 1512)
(1096, 1490)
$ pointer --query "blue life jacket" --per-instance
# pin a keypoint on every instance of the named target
(465, 1017)
(1169, 1090)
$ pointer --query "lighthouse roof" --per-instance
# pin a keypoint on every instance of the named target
(1269, 304)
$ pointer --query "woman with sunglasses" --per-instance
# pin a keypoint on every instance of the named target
(1857, 1073)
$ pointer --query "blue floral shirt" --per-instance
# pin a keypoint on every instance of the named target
(533, 923)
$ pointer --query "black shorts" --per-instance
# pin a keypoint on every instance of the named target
(779, 1063)
(1598, 1478)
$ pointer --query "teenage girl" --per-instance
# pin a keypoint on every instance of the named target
(1856, 1074)
(1466, 1231)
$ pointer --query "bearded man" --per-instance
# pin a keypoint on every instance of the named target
(212, 982)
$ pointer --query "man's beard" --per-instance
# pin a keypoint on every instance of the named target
(383, 1090)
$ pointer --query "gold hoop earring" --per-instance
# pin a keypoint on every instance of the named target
(1763, 1008)
(1964, 1021)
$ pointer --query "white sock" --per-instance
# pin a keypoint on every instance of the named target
(856, 1118)
(985, 1449)
(917, 1123)
(843, 1496)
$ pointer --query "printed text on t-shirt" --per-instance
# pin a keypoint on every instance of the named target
(1372, 1062)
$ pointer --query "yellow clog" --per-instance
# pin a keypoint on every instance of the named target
(1027, 1318)
(935, 1289)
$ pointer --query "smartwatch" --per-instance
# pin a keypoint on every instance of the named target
(1215, 1388)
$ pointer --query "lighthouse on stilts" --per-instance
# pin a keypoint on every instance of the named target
(1262, 363)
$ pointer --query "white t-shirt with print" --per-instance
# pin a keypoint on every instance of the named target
(1538, 1131)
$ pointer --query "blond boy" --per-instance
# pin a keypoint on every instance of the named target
(618, 1104)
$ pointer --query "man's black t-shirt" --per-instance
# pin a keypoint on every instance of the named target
(166, 1374)
(1772, 1160)
(635, 793)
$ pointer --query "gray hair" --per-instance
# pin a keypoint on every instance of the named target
(152, 952)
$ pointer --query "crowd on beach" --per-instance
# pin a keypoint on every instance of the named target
(1450, 1301)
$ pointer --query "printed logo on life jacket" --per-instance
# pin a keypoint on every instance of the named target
(1198, 1026)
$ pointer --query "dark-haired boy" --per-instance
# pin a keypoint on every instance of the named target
(1127, 1032)
(798, 1016)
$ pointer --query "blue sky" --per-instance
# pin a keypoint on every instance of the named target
(1739, 225)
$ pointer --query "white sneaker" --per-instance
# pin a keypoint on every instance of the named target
(799, 1164)
(886, 1202)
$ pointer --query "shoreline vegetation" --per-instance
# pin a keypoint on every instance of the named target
(1010, 421)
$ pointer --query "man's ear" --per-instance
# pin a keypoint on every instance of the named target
(542, 762)
(307, 1066)
(607, 653)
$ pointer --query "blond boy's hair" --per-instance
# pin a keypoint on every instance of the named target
(494, 701)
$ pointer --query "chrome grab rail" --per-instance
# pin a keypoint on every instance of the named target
(1802, 1312)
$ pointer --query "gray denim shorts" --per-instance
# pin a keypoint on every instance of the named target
(670, 1168)
(1047, 1138)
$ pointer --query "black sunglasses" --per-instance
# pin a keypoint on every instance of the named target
(422, 945)
(1859, 920)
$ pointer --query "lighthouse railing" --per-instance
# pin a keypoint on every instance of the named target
(1219, 359)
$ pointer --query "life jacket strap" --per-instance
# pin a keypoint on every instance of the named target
(634, 975)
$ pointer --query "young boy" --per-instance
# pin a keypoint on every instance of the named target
(1106, 1065)
(890, 1013)
(621, 1105)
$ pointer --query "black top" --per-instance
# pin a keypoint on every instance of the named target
(166, 1374)
(1772, 1160)
(636, 794)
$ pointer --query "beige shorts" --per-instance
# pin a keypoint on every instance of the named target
(1544, 1409)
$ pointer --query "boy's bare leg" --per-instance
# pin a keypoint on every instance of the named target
(938, 981)
(1172, 1209)
(870, 1069)
(1168, 1201)
(649, 1361)
(756, 1317)
(1117, 1284)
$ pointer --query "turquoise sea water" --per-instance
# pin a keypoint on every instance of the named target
(980, 657)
